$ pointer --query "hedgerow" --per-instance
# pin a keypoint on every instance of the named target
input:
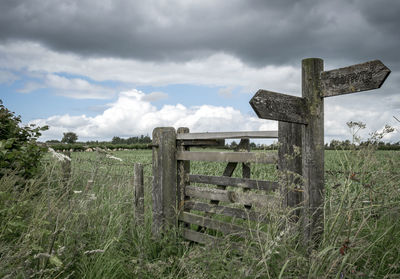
(19, 152)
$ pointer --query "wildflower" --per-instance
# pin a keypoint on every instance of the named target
(77, 192)
(89, 252)
(42, 255)
(113, 157)
(59, 156)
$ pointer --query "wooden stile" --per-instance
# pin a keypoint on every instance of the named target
(165, 177)
(198, 237)
(313, 151)
(290, 164)
(227, 211)
(201, 142)
(210, 223)
(231, 196)
(183, 168)
(234, 181)
(229, 135)
(239, 157)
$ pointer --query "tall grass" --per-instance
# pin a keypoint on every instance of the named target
(69, 228)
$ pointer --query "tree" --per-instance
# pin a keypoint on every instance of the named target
(19, 152)
(69, 137)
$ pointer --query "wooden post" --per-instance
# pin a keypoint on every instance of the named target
(164, 182)
(289, 164)
(313, 151)
(139, 192)
(183, 171)
(246, 171)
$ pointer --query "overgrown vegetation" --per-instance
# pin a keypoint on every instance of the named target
(78, 220)
(19, 152)
(85, 227)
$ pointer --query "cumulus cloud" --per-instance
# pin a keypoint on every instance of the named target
(133, 114)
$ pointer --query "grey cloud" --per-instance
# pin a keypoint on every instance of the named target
(155, 96)
(258, 32)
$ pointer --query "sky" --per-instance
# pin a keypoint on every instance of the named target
(110, 68)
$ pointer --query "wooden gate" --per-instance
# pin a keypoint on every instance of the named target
(301, 128)
(217, 205)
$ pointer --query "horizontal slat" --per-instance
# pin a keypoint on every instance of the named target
(211, 142)
(199, 237)
(230, 196)
(223, 227)
(224, 210)
(229, 135)
(240, 157)
(234, 181)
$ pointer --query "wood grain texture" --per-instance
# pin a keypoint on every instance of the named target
(183, 168)
(313, 152)
(202, 142)
(234, 181)
(231, 196)
(281, 107)
(198, 237)
(239, 157)
(224, 227)
(290, 165)
(355, 78)
(229, 135)
(228, 211)
(165, 178)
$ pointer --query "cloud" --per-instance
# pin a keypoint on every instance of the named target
(30, 87)
(219, 69)
(133, 114)
(155, 96)
(75, 88)
(256, 32)
(7, 77)
(226, 92)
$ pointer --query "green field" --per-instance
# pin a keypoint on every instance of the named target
(67, 227)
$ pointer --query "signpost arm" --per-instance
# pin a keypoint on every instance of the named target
(313, 151)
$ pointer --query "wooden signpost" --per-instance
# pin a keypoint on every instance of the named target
(308, 111)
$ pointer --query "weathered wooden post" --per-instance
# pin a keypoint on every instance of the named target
(164, 182)
(183, 170)
(244, 146)
(289, 165)
(139, 191)
(308, 111)
(313, 151)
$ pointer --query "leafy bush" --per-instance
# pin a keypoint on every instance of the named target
(18, 149)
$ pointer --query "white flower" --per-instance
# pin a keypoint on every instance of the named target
(59, 156)
(93, 251)
(113, 157)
